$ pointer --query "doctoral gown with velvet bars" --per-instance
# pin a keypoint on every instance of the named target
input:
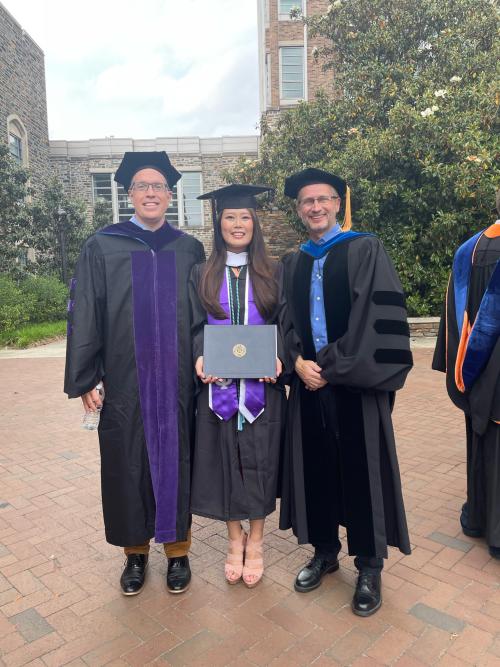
(235, 473)
(339, 462)
(481, 405)
(129, 323)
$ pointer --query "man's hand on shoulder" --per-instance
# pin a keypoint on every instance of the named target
(309, 372)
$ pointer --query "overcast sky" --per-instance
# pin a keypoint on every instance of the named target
(145, 69)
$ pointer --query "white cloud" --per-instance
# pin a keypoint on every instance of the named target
(160, 68)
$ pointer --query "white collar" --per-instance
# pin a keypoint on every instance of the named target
(236, 258)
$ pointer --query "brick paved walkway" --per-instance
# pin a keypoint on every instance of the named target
(59, 597)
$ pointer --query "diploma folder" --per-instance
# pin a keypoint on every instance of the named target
(240, 351)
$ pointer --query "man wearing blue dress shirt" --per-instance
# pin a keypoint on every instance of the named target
(349, 341)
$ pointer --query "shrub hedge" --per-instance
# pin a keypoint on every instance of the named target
(32, 300)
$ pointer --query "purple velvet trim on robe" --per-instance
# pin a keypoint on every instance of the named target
(154, 285)
(155, 240)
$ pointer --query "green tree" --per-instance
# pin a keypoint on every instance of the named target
(414, 128)
(102, 214)
(60, 227)
(14, 214)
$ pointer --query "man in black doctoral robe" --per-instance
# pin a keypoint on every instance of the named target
(129, 326)
(468, 351)
(350, 346)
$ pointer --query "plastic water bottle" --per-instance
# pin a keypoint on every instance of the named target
(90, 420)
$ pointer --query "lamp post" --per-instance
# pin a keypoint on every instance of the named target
(61, 217)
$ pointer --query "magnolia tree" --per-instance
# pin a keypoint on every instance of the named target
(60, 227)
(51, 225)
(413, 128)
(14, 213)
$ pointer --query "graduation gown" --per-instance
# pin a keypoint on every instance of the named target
(129, 324)
(235, 473)
(481, 404)
(339, 463)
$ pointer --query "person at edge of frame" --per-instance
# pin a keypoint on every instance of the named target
(350, 344)
(238, 422)
(468, 351)
(129, 327)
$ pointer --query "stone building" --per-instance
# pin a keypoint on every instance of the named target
(23, 102)
(288, 70)
(87, 168)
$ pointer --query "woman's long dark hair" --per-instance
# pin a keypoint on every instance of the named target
(260, 269)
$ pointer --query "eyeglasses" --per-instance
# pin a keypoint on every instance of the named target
(141, 186)
(308, 202)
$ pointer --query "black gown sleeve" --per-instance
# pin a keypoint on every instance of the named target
(439, 358)
(198, 313)
(84, 359)
(374, 353)
(292, 342)
(283, 324)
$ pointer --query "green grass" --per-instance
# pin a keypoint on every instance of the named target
(33, 334)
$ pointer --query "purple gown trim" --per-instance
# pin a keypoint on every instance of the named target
(224, 400)
(155, 240)
(154, 287)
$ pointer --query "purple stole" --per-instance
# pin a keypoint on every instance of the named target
(223, 399)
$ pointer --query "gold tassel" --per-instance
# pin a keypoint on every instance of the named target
(347, 224)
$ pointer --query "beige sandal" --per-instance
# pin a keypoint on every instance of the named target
(254, 567)
(233, 567)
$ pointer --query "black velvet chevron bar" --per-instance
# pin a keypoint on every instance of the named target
(395, 327)
(388, 356)
(386, 298)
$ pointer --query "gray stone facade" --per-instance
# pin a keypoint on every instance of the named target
(23, 102)
(74, 162)
(23, 114)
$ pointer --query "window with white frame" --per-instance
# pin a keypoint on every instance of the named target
(191, 209)
(18, 140)
(291, 73)
(184, 210)
(267, 72)
(286, 6)
(104, 187)
(16, 147)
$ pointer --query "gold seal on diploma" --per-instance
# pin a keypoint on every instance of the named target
(239, 350)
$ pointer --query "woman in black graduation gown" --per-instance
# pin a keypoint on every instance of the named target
(235, 469)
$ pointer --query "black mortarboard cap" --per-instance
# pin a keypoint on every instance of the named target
(234, 196)
(312, 176)
(135, 161)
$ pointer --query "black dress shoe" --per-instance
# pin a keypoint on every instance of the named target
(466, 530)
(494, 552)
(178, 574)
(367, 598)
(311, 575)
(134, 574)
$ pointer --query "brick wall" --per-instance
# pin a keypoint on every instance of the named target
(286, 32)
(22, 93)
(317, 79)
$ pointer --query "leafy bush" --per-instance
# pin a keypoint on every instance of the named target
(48, 297)
(14, 305)
(35, 299)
